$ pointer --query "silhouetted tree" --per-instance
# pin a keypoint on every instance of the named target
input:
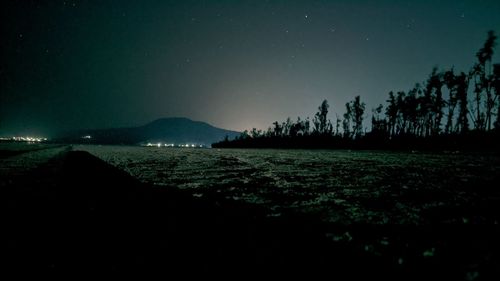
(358, 109)
(400, 121)
(426, 107)
(379, 124)
(451, 83)
(481, 73)
(484, 56)
(346, 123)
(255, 133)
(462, 83)
(477, 115)
(269, 132)
(329, 128)
(410, 110)
(298, 128)
(287, 125)
(434, 101)
(307, 126)
(391, 112)
(244, 135)
(320, 119)
(337, 125)
(496, 88)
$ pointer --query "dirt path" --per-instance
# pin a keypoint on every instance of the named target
(74, 212)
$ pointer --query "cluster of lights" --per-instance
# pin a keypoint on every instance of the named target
(87, 137)
(171, 145)
(24, 139)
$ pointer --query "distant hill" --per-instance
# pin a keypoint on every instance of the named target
(165, 130)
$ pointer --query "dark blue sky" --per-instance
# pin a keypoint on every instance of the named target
(234, 64)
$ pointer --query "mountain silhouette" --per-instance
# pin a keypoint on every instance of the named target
(175, 130)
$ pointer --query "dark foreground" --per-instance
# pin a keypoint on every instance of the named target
(78, 215)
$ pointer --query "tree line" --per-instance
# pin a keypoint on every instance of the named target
(448, 108)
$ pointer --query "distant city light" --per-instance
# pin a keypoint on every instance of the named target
(24, 139)
(159, 144)
(87, 137)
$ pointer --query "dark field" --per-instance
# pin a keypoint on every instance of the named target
(344, 214)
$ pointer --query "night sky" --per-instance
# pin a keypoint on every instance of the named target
(234, 64)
